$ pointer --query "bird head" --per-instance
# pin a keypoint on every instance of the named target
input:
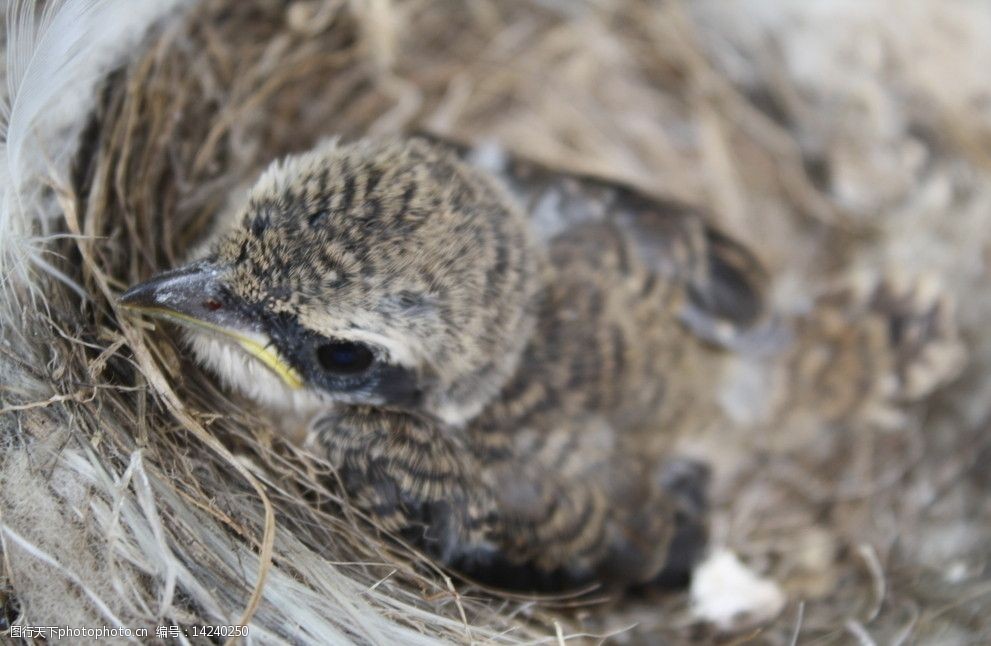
(381, 273)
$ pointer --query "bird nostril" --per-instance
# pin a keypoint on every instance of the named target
(212, 305)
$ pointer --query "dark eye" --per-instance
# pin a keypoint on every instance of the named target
(345, 358)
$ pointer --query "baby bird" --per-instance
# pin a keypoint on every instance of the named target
(496, 358)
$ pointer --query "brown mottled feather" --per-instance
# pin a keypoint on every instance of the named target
(541, 338)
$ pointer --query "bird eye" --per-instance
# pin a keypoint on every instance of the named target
(345, 358)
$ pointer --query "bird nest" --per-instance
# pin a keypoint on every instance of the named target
(137, 492)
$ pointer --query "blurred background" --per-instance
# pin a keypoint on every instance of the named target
(837, 138)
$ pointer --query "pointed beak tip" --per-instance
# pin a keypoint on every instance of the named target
(137, 297)
(190, 295)
(127, 298)
(176, 289)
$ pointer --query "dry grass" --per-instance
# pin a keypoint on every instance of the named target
(169, 501)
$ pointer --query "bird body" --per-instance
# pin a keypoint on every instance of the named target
(496, 358)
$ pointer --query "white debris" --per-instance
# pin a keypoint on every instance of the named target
(727, 594)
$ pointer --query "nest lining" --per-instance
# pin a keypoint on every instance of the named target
(137, 491)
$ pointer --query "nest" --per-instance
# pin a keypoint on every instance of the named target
(136, 492)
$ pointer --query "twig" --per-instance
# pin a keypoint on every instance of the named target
(461, 608)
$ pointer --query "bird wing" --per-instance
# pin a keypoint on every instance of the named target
(726, 286)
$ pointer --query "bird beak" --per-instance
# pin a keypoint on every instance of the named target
(191, 296)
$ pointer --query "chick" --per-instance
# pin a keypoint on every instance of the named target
(495, 358)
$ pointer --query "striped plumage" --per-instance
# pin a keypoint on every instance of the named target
(497, 357)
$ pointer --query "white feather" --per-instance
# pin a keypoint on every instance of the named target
(239, 370)
(54, 58)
